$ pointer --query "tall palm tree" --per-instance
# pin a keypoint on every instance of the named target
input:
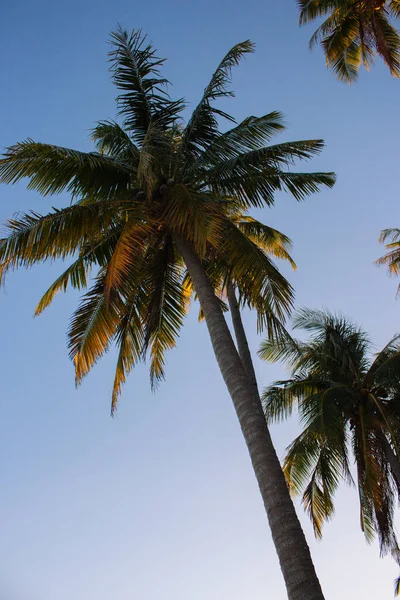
(392, 259)
(354, 32)
(147, 206)
(349, 404)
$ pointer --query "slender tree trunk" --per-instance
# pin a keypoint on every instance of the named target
(291, 546)
(241, 339)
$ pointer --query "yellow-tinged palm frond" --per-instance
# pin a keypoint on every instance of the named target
(151, 180)
(391, 259)
(166, 305)
(270, 240)
(129, 338)
(77, 273)
(257, 278)
(353, 33)
(32, 238)
(128, 253)
(93, 327)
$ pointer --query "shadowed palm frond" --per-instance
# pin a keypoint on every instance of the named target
(202, 128)
(135, 69)
(52, 170)
(347, 402)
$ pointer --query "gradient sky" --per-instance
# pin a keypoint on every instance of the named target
(161, 501)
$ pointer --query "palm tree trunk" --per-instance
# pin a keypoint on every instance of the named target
(241, 340)
(291, 546)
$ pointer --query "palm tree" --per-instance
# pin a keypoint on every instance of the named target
(392, 259)
(349, 404)
(354, 32)
(147, 208)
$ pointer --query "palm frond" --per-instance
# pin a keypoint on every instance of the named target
(251, 134)
(53, 169)
(202, 128)
(135, 69)
(165, 306)
(112, 140)
(93, 327)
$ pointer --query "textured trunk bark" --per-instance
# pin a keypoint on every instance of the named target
(291, 546)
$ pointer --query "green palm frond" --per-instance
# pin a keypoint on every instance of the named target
(202, 128)
(251, 134)
(387, 41)
(135, 69)
(347, 402)
(255, 176)
(311, 9)
(53, 169)
(282, 350)
(112, 140)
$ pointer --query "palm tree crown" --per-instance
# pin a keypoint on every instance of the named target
(349, 403)
(392, 259)
(150, 181)
(353, 32)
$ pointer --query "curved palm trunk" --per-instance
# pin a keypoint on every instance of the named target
(241, 339)
(291, 546)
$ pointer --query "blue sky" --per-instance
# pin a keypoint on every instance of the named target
(161, 501)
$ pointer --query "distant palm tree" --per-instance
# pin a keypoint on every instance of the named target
(148, 208)
(392, 258)
(349, 404)
(353, 32)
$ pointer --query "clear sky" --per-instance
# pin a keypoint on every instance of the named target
(161, 501)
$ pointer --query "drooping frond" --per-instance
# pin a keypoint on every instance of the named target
(112, 140)
(93, 327)
(53, 169)
(270, 240)
(77, 274)
(165, 308)
(286, 350)
(128, 254)
(129, 338)
(258, 280)
(34, 238)
(353, 32)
